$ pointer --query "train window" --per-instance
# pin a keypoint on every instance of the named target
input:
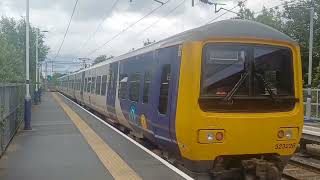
(274, 66)
(110, 80)
(98, 85)
(164, 89)
(247, 77)
(146, 87)
(103, 85)
(93, 84)
(85, 84)
(79, 88)
(134, 84)
(89, 85)
(123, 86)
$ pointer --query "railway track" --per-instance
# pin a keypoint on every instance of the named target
(302, 168)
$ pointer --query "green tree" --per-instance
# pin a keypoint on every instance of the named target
(55, 77)
(12, 50)
(148, 42)
(101, 58)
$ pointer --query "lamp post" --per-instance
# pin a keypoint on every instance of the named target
(27, 102)
(37, 93)
(308, 106)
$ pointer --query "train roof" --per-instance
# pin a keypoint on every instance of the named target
(231, 28)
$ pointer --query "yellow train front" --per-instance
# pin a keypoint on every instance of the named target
(239, 107)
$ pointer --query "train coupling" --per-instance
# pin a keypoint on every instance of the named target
(260, 169)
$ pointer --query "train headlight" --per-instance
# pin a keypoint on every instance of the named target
(280, 134)
(288, 134)
(210, 137)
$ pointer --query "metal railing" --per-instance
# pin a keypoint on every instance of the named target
(315, 103)
(11, 112)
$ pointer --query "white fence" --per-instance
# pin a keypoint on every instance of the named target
(315, 100)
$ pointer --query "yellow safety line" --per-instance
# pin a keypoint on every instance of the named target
(118, 168)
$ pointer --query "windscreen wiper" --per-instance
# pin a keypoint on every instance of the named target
(267, 86)
(231, 93)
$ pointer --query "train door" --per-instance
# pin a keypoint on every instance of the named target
(111, 90)
(82, 86)
(164, 89)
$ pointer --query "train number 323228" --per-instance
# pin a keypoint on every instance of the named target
(285, 146)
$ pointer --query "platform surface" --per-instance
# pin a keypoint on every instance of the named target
(58, 148)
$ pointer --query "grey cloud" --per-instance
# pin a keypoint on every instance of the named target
(54, 15)
(96, 9)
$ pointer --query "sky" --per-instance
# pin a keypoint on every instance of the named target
(96, 22)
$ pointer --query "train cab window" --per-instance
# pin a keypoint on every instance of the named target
(89, 85)
(164, 89)
(134, 87)
(98, 85)
(103, 85)
(123, 86)
(146, 87)
(93, 85)
(85, 84)
(244, 77)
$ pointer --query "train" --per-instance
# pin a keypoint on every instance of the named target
(224, 98)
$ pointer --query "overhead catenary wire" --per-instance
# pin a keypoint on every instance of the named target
(159, 19)
(126, 29)
(228, 11)
(99, 26)
(282, 4)
(67, 30)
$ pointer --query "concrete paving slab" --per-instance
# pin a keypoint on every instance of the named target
(144, 164)
(54, 149)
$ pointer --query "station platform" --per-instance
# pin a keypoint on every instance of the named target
(68, 142)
